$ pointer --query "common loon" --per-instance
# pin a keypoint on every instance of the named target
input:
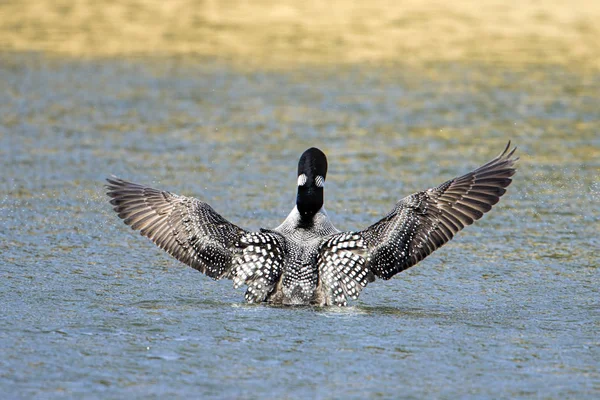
(306, 260)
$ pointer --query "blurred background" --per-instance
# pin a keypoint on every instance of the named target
(217, 99)
(285, 33)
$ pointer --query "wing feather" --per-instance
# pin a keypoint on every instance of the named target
(192, 232)
(423, 222)
(342, 265)
(186, 228)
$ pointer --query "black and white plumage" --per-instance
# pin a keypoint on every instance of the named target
(306, 260)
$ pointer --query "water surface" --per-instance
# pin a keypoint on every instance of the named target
(90, 309)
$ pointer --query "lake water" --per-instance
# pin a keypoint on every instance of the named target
(89, 309)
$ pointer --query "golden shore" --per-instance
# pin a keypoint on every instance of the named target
(288, 32)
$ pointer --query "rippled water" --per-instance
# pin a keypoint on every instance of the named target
(90, 309)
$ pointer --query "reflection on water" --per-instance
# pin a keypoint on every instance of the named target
(91, 309)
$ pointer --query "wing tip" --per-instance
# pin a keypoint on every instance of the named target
(113, 184)
(113, 180)
(508, 153)
(117, 187)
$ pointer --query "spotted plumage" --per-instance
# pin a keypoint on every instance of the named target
(260, 264)
(343, 264)
(306, 260)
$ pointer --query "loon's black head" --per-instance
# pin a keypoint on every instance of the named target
(312, 171)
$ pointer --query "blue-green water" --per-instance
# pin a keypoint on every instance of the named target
(89, 309)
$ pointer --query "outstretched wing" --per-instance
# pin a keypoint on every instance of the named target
(423, 222)
(186, 228)
(192, 232)
(417, 226)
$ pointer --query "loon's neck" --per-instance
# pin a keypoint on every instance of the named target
(309, 202)
(319, 223)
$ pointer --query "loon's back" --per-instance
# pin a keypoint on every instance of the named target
(306, 260)
(300, 275)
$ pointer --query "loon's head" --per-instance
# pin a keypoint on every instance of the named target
(312, 170)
